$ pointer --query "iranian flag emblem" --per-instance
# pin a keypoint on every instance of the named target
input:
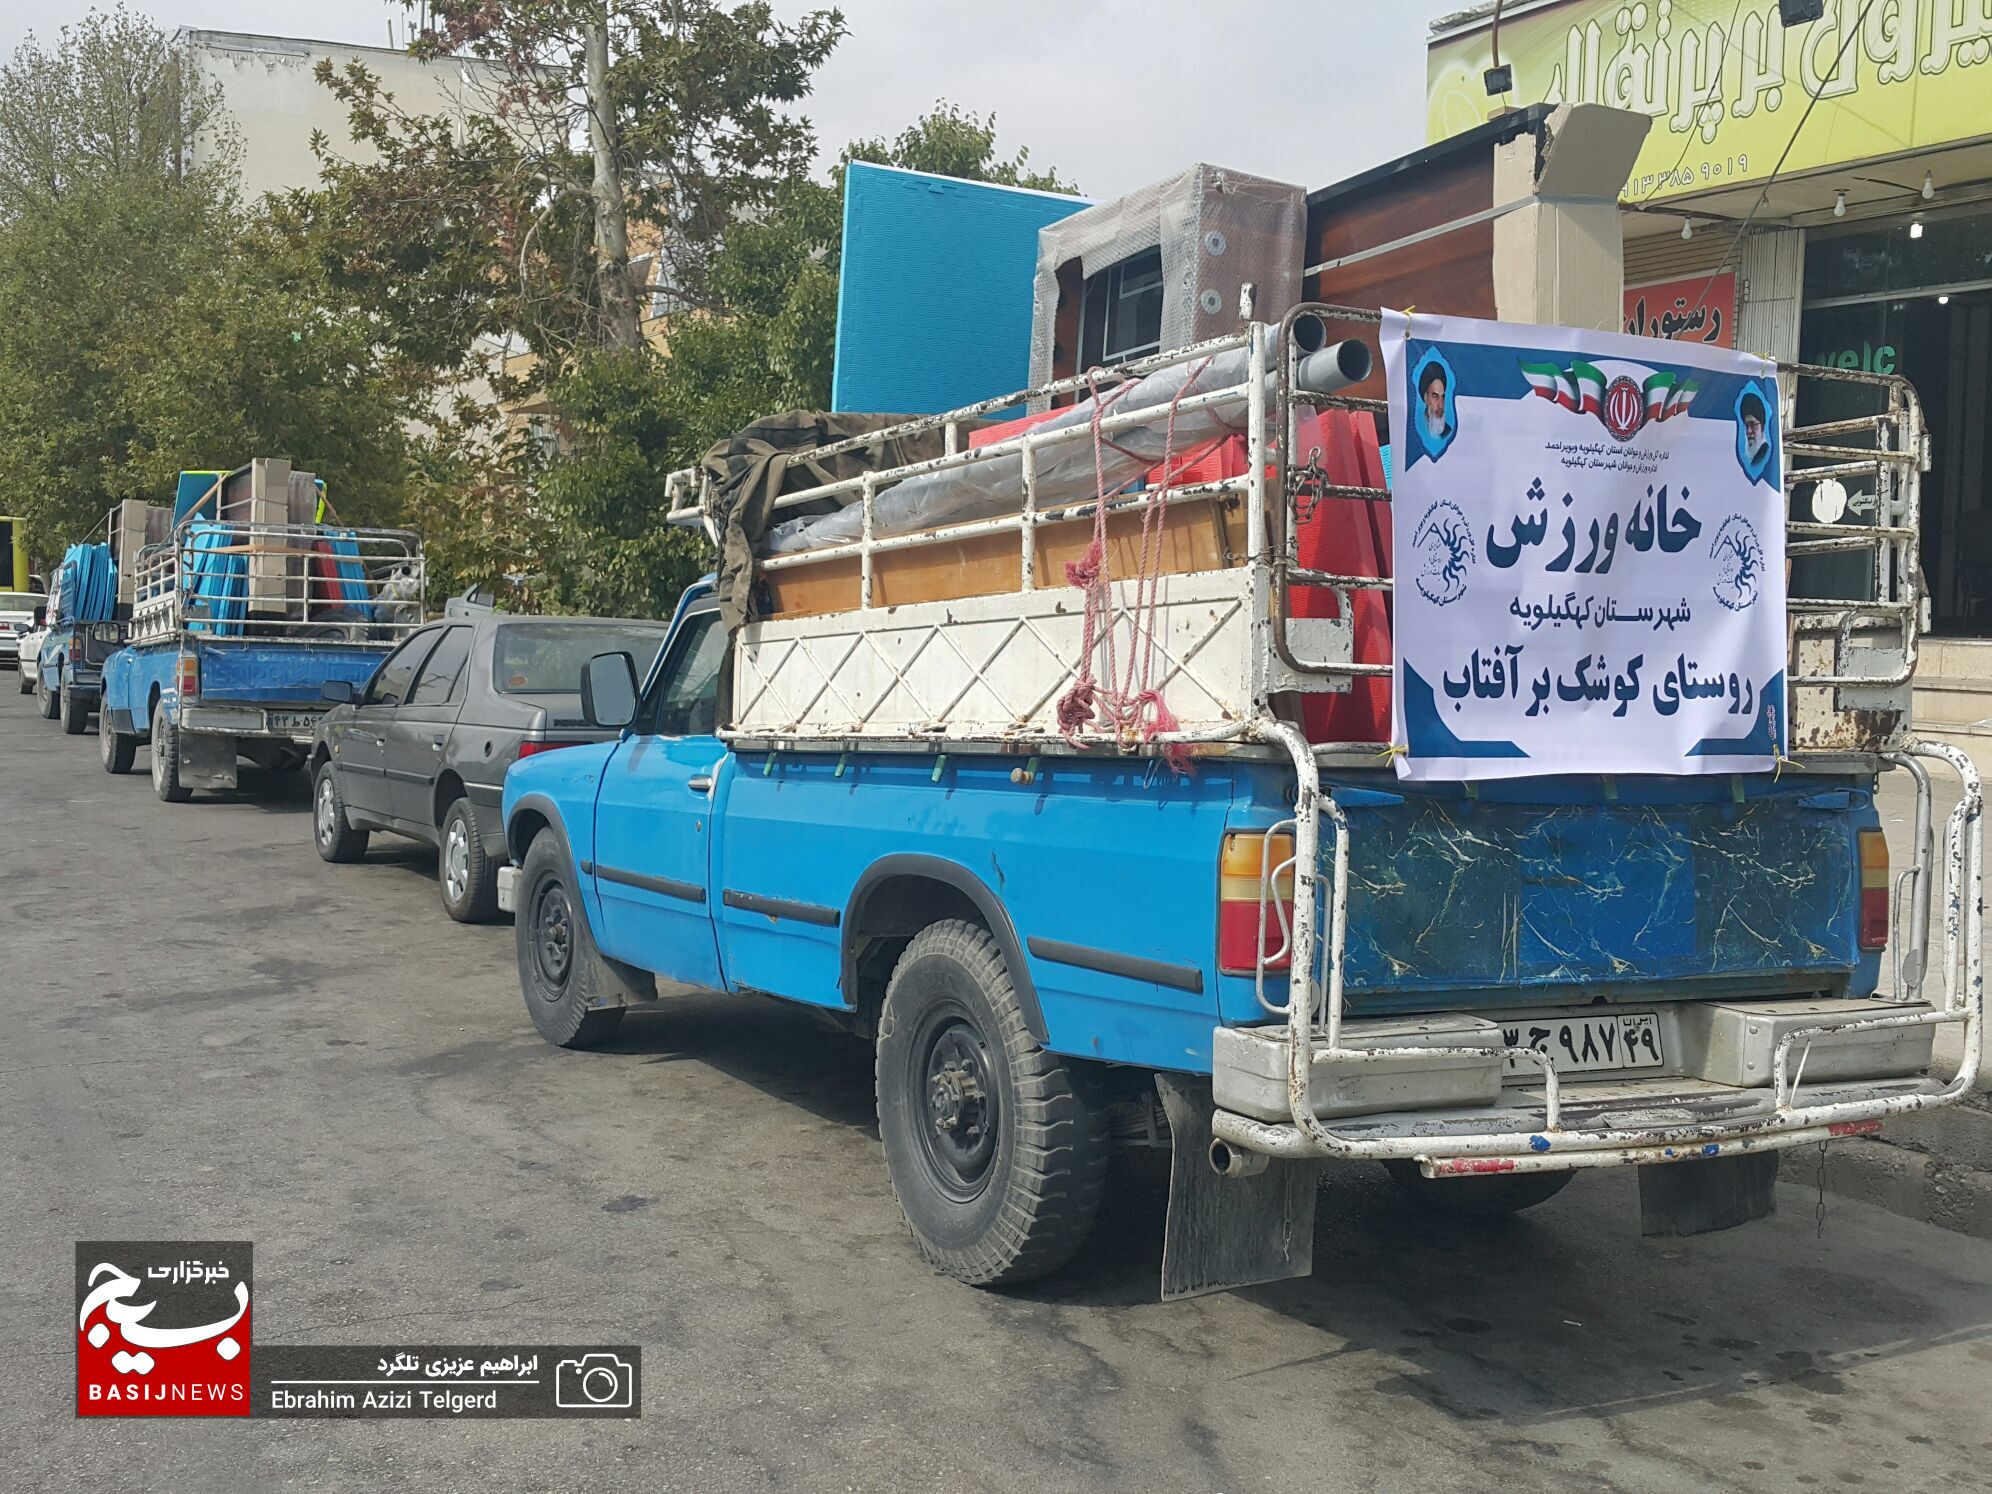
(1623, 400)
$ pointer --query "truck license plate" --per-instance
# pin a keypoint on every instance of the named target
(1583, 1045)
(291, 720)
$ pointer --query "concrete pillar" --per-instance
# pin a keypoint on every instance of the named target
(1559, 258)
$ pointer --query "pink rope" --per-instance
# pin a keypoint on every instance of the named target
(1128, 703)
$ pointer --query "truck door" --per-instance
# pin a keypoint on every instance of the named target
(414, 742)
(653, 818)
(359, 742)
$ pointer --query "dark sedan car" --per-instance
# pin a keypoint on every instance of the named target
(422, 749)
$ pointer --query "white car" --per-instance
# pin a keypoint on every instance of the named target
(18, 620)
(29, 659)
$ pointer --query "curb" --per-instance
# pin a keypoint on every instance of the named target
(1935, 1167)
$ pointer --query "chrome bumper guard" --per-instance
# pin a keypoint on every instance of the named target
(1538, 1130)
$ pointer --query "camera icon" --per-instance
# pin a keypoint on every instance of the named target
(594, 1382)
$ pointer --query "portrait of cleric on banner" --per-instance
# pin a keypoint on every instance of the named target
(1597, 578)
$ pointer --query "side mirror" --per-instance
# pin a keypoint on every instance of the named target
(339, 692)
(608, 691)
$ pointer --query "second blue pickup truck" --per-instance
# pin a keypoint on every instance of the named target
(239, 620)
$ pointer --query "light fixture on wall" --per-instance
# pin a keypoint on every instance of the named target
(1839, 204)
(1916, 226)
(1687, 228)
(1929, 186)
(1943, 300)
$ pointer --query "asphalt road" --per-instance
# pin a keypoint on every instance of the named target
(208, 1033)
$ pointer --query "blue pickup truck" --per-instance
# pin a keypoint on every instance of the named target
(241, 618)
(1270, 957)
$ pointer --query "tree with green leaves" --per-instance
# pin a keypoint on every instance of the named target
(148, 321)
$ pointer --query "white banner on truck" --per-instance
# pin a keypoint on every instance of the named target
(1588, 542)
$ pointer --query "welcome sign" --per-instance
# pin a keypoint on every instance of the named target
(1589, 552)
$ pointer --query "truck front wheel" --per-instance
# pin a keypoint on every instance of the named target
(996, 1154)
(45, 700)
(166, 759)
(116, 748)
(575, 996)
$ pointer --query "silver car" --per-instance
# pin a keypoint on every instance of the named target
(422, 749)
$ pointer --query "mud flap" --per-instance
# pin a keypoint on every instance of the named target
(207, 760)
(1228, 1232)
(1698, 1198)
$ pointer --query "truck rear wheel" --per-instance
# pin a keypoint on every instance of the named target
(116, 748)
(996, 1155)
(574, 995)
(468, 879)
(1484, 1196)
(331, 831)
(45, 702)
(166, 759)
(75, 713)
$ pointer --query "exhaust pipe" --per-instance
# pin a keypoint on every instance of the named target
(1327, 370)
(1228, 1161)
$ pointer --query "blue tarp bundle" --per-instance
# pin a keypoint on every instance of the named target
(216, 584)
(87, 585)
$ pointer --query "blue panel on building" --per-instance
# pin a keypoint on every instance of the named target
(934, 299)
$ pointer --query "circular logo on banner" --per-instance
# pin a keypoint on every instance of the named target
(1625, 408)
(1444, 542)
(1739, 563)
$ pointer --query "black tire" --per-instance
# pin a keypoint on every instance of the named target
(75, 714)
(115, 749)
(1485, 1196)
(995, 1151)
(575, 996)
(466, 875)
(27, 685)
(331, 831)
(45, 702)
(166, 759)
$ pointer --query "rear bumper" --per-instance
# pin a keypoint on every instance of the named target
(1770, 1075)
(276, 723)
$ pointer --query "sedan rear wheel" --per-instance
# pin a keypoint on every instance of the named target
(470, 881)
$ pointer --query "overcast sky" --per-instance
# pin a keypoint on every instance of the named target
(1114, 93)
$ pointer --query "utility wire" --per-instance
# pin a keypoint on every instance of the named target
(1770, 181)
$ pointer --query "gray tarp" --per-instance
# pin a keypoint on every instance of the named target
(779, 455)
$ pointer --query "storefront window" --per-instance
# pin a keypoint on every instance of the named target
(1920, 308)
(1951, 251)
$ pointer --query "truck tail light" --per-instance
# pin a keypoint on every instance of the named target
(531, 748)
(1246, 856)
(187, 676)
(1874, 889)
(76, 649)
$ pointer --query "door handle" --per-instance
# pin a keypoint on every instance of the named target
(436, 744)
(699, 783)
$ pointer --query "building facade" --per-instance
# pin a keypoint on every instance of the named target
(1821, 193)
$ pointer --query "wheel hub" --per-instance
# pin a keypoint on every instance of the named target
(959, 1138)
(456, 862)
(553, 939)
(954, 1100)
(327, 817)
